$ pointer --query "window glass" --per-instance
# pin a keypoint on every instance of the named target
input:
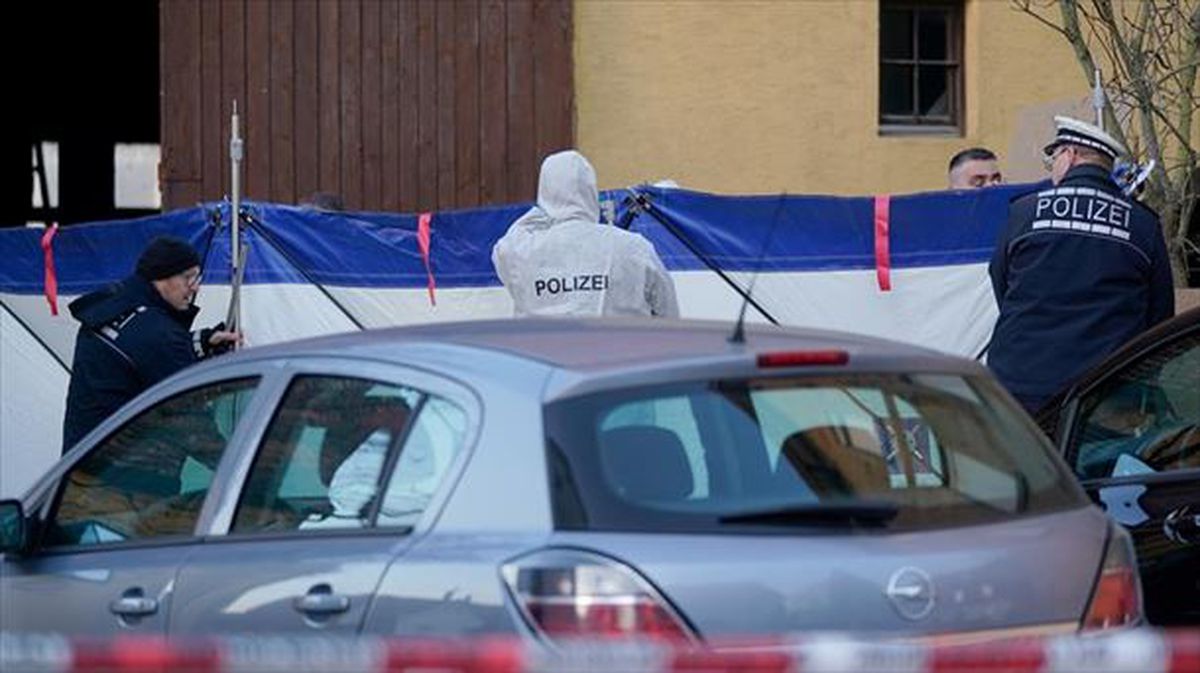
(895, 33)
(150, 478)
(920, 75)
(435, 440)
(321, 422)
(331, 445)
(935, 91)
(1144, 419)
(675, 414)
(933, 35)
(941, 449)
(896, 80)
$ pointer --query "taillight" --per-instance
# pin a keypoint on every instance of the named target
(803, 358)
(1117, 597)
(566, 593)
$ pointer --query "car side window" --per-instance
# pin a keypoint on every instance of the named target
(435, 440)
(328, 450)
(1144, 419)
(150, 478)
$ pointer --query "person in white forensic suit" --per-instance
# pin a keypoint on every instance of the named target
(428, 450)
(558, 259)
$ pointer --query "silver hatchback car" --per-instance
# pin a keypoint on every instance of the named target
(561, 478)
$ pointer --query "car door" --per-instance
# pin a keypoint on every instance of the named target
(1133, 439)
(121, 518)
(305, 541)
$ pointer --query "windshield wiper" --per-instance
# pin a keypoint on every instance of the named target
(865, 513)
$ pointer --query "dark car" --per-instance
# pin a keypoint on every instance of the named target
(1130, 430)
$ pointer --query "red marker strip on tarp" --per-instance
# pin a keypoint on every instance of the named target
(883, 255)
(51, 278)
(423, 239)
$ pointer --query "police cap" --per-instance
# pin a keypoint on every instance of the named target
(1074, 132)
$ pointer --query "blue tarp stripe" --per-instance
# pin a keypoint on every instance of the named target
(806, 233)
(812, 233)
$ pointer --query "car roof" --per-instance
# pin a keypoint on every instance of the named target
(600, 344)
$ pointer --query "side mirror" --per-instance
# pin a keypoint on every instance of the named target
(13, 536)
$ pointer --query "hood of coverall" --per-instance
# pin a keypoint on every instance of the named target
(567, 188)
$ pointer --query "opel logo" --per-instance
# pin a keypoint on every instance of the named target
(911, 592)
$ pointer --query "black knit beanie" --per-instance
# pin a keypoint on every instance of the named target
(165, 257)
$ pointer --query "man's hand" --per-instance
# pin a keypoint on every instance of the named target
(217, 340)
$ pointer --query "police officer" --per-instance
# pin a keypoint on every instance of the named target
(559, 260)
(1078, 270)
(135, 333)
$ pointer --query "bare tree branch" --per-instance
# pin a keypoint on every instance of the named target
(1139, 26)
(1135, 63)
(1179, 136)
(1187, 78)
(1151, 50)
(1069, 10)
(1177, 73)
(1025, 7)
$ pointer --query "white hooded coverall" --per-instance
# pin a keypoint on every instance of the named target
(559, 260)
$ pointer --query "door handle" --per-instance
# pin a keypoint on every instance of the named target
(1182, 526)
(320, 600)
(133, 606)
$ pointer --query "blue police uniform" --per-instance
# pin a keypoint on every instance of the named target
(1079, 270)
(129, 339)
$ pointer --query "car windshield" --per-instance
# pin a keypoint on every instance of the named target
(882, 451)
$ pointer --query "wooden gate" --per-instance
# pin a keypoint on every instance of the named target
(394, 105)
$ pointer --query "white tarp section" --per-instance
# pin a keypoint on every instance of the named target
(31, 408)
(914, 311)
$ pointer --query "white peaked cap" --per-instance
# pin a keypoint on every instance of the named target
(1074, 132)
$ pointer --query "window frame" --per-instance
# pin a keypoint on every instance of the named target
(50, 499)
(916, 124)
(390, 458)
(1074, 408)
(220, 526)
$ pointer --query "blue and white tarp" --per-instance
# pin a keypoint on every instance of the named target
(812, 261)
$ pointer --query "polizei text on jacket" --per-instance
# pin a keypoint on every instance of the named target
(562, 284)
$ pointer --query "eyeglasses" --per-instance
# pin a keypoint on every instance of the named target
(191, 278)
(1049, 159)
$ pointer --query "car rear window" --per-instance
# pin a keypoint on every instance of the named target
(928, 451)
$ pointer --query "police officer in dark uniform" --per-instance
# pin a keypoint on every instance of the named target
(135, 333)
(1079, 270)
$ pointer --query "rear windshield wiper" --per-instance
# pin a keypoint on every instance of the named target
(868, 513)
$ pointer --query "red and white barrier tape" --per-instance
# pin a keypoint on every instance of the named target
(1138, 651)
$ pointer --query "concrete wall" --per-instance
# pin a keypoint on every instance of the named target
(1186, 299)
(759, 96)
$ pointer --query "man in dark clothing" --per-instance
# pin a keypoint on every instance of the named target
(135, 333)
(1079, 270)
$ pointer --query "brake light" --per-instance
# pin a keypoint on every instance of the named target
(803, 358)
(564, 594)
(1117, 597)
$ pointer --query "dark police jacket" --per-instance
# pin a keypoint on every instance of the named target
(129, 339)
(1078, 270)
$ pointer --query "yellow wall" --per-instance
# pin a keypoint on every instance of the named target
(764, 96)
